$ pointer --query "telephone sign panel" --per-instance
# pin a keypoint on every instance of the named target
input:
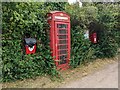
(60, 38)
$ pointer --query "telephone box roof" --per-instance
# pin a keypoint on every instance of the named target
(53, 12)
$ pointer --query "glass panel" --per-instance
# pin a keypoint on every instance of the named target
(63, 31)
(62, 41)
(62, 36)
(63, 52)
(62, 47)
(61, 25)
(63, 59)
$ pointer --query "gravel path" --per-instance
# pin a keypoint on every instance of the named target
(106, 78)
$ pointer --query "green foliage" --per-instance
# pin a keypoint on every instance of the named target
(109, 30)
(18, 19)
(107, 46)
(109, 17)
(102, 18)
(17, 67)
(82, 16)
(81, 52)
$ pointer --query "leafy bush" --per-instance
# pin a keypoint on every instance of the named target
(17, 67)
(106, 47)
(81, 52)
(109, 31)
(101, 18)
(18, 19)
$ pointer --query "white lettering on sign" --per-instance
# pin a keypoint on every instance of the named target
(59, 17)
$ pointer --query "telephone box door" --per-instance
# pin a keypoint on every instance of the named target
(62, 34)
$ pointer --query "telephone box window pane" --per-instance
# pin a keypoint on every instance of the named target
(63, 31)
(62, 37)
(62, 41)
(63, 52)
(62, 47)
(61, 25)
(63, 59)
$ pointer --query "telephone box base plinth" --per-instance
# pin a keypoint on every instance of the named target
(63, 67)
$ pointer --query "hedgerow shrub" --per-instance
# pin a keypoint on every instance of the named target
(18, 19)
(81, 50)
(109, 30)
(16, 67)
(101, 18)
(104, 16)
(106, 46)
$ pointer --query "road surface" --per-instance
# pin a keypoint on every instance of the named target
(105, 78)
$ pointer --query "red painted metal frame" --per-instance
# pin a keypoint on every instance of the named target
(65, 19)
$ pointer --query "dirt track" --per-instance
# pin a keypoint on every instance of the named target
(97, 74)
(105, 78)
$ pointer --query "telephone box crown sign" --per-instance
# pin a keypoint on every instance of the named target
(58, 15)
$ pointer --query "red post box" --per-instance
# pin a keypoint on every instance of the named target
(60, 38)
(30, 45)
(93, 37)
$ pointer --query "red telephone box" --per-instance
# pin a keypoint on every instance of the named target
(60, 38)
